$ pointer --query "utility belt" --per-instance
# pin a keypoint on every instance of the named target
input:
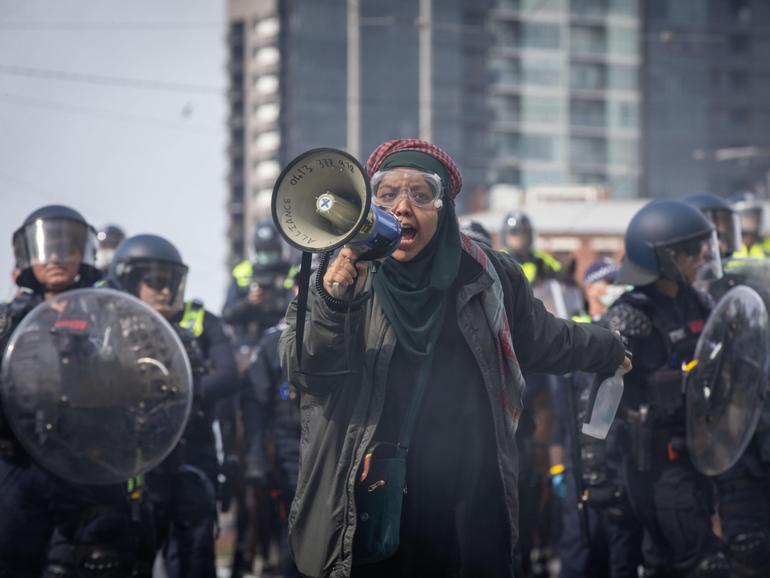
(652, 444)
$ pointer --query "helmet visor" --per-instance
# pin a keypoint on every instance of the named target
(728, 226)
(423, 189)
(751, 220)
(54, 241)
(159, 284)
(690, 260)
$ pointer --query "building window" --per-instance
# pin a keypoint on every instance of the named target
(267, 28)
(267, 141)
(623, 41)
(267, 56)
(538, 147)
(267, 170)
(588, 40)
(588, 150)
(542, 110)
(622, 77)
(506, 108)
(622, 115)
(543, 72)
(537, 35)
(589, 7)
(266, 113)
(587, 113)
(623, 152)
(506, 71)
(587, 76)
(266, 85)
(508, 143)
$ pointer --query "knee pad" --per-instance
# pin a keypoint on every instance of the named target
(713, 566)
(750, 553)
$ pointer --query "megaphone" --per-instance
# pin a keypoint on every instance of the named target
(323, 200)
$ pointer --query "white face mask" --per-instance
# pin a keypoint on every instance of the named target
(612, 294)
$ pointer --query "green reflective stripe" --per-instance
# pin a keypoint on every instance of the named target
(530, 270)
(756, 251)
(243, 273)
(584, 318)
(550, 261)
(192, 320)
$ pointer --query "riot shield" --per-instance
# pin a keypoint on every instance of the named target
(96, 386)
(551, 293)
(725, 383)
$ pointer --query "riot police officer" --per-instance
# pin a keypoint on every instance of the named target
(260, 290)
(726, 220)
(744, 489)
(669, 245)
(55, 252)
(752, 215)
(517, 238)
(183, 488)
(109, 237)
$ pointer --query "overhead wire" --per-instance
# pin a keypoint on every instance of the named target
(88, 78)
(101, 113)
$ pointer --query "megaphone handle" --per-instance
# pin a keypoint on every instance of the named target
(304, 287)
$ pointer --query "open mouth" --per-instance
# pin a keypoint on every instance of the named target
(408, 232)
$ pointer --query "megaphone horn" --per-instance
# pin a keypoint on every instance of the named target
(322, 200)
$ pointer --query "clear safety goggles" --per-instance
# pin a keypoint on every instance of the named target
(691, 260)
(423, 189)
(54, 240)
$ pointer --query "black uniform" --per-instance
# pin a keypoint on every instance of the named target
(671, 498)
(183, 488)
(272, 415)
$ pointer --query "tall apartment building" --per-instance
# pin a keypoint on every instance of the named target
(566, 95)
(350, 74)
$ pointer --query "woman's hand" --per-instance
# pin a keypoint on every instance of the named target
(343, 273)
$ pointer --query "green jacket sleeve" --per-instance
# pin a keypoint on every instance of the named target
(333, 346)
(547, 344)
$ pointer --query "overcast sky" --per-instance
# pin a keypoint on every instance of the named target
(117, 108)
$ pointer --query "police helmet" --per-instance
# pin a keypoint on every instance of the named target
(751, 212)
(55, 233)
(109, 237)
(725, 219)
(518, 223)
(672, 240)
(152, 261)
(476, 231)
(268, 248)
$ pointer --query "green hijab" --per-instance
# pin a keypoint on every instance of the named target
(413, 294)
